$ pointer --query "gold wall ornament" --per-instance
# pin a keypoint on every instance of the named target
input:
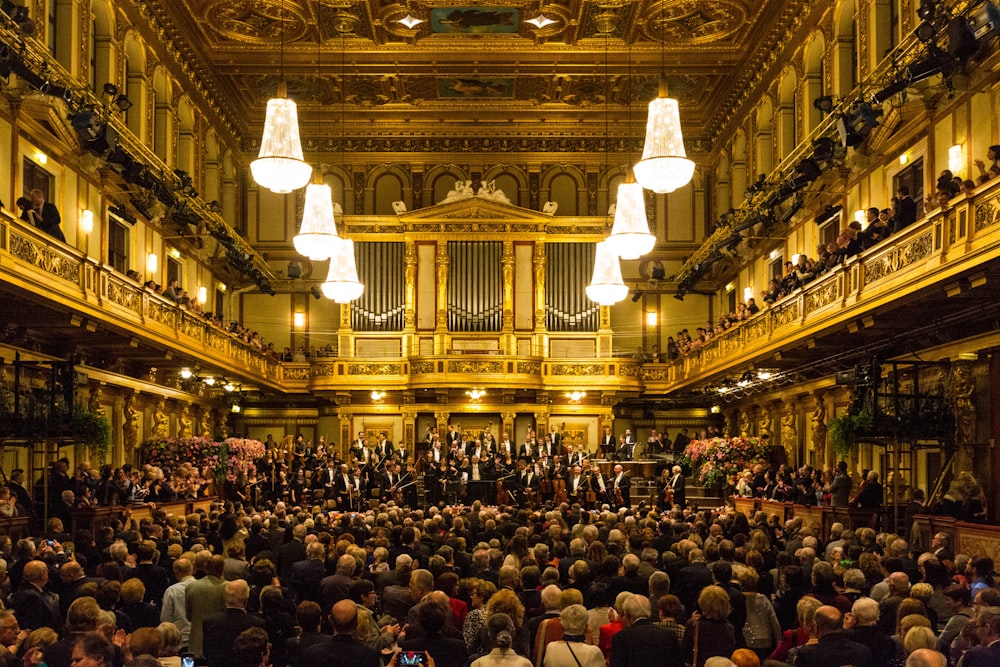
(94, 401)
(764, 422)
(185, 425)
(161, 421)
(130, 422)
(421, 367)
(898, 257)
(578, 369)
(475, 367)
(789, 430)
(205, 423)
(817, 422)
(964, 388)
(374, 369)
(46, 259)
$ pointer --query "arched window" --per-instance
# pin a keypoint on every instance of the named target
(814, 85)
(388, 188)
(787, 132)
(135, 86)
(562, 189)
(162, 116)
(101, 69)
(845, 49)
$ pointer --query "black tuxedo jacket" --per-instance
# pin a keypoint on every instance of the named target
(221, 630)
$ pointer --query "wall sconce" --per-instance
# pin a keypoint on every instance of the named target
(775, 254)
(475, 394)
(86, 221)
(861, 217)
(228, 386)
(236, 408)
(203, 295)
(210, 381)
(956, 159)
(716, 409)
(222, 287)
(41, 158)
(152, 263)
(299, 320)
(747, 293)
(377, 396)
(186, 373)
(652, 318)
(729, 287)
(903, 159)
(174, 252)
(576, 396)
(795, 259)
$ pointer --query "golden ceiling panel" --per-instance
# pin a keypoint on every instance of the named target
(255, 21)
(695, 21)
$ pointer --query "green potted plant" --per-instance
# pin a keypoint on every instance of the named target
(845, 431)
(93, 430)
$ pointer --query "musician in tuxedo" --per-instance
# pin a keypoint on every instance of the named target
(558, 469)
(577, 485)
(624, 451)
(389, 481)
(430, 435)
(599, 484)
(681, 442)
(359, 442)
(527, 451)
(555, 437)
(346, 487)
(478, 477)
(606, 448)
(631, 441)
(384, 446)
(620, 486)
(400, 454)
(453, 436)
(528, 483)
(576, 457)
(677, 483)
(545, 448)
(475, 449)
(436, 455)
(505, 446)
(328, 480)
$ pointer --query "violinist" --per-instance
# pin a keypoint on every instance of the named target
(390, 482)
(600, 486)
(529, 483)
(576, 457)
(577, 485)
(677, 483)
(620, 487)
(345, 486)
(558, 474)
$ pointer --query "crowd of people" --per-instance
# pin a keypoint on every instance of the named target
(559, 585)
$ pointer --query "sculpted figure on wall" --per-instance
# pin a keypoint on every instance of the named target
(965, 406)
(817, 422)
(224, 427)
(789, 430)
(130, 422)
(94, 401)
(728, 425)
(462, 190)
(764, 423)
(205, 425)
(161, 421)
(744, 423)
(185, 428)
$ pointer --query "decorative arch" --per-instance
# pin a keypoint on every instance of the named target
(723, 184)
(102, 48)
(815, 74)
(608, 182)
(339, 180)
(439, 181)
(163, 115)
(229, 200)
(739, 167)
(845, 47)
(212, 169)
(136, 85)
(764, 133)
(386, 184)
(566, 185)
(787, 112)
(512, 181)
(186, 137)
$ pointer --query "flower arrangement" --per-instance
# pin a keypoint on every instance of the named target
(239, 455)
(718, 461)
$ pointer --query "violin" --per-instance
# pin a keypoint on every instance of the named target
(559, 494)
(501, 493)
(668, 496)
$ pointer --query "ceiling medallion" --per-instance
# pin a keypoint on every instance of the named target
(697, 21)
(606, 22)
(344, 22)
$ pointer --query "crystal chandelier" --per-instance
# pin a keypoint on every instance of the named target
(664, 166)
(630, 237)
(317, 238)
(342, 284)
(279, 166)
(606, 287)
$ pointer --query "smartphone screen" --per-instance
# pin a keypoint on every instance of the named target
(412, 658)
(187, 660)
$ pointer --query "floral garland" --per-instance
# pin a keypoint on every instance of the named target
(230, 459)
(718, 461)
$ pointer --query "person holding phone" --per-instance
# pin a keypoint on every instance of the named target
(500, 628)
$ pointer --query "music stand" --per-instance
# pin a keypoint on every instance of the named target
(453, 490)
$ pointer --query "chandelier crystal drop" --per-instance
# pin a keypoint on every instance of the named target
(664, 166)
(607, 287)
(317, 238)
(279, 166)
(342, 284)
(630, 237)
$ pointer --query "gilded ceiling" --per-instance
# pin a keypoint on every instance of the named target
(472, 69)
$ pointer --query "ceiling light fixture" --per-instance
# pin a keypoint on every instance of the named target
(317, 238)
(342, 284)
(280, 166)
(606, 286)
(630, 237)
(664, 166)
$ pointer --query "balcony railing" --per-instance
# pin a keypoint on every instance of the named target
(945, 244)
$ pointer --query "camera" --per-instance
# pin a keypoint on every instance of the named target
(409, 658)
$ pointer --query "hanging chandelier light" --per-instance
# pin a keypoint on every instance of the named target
(342, 284)
(630, 237)
(317, 238)
(279, 166)
(606, 286)
(664, 166)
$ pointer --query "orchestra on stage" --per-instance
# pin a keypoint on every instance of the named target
(460, 468)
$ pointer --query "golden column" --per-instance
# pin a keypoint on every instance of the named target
(507, 271)
(441, 330)
(541, 338)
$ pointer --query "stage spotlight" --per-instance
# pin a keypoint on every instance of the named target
(214, 206)
(110, 89)
(294, 271)
(925, 32)
(962, 41)
(20, 16)
(824, 149)
(927, 10)
(985, 21)
(123, 103)
(936, 62)
(316, 292)
(637, 295)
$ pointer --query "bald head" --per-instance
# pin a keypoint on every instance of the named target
(828, 619)
(344, 615)
(36, 572)
(926, 657)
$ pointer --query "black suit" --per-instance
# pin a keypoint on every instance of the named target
(306, 576)
(288, 555)
(222, 629)
(36, 608)
(625, 484)
(906, 213)
(677, 483)
(341, 651)
(46, 219)
(834, 650)
(645, 643)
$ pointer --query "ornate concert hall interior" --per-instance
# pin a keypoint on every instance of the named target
(474, 156)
